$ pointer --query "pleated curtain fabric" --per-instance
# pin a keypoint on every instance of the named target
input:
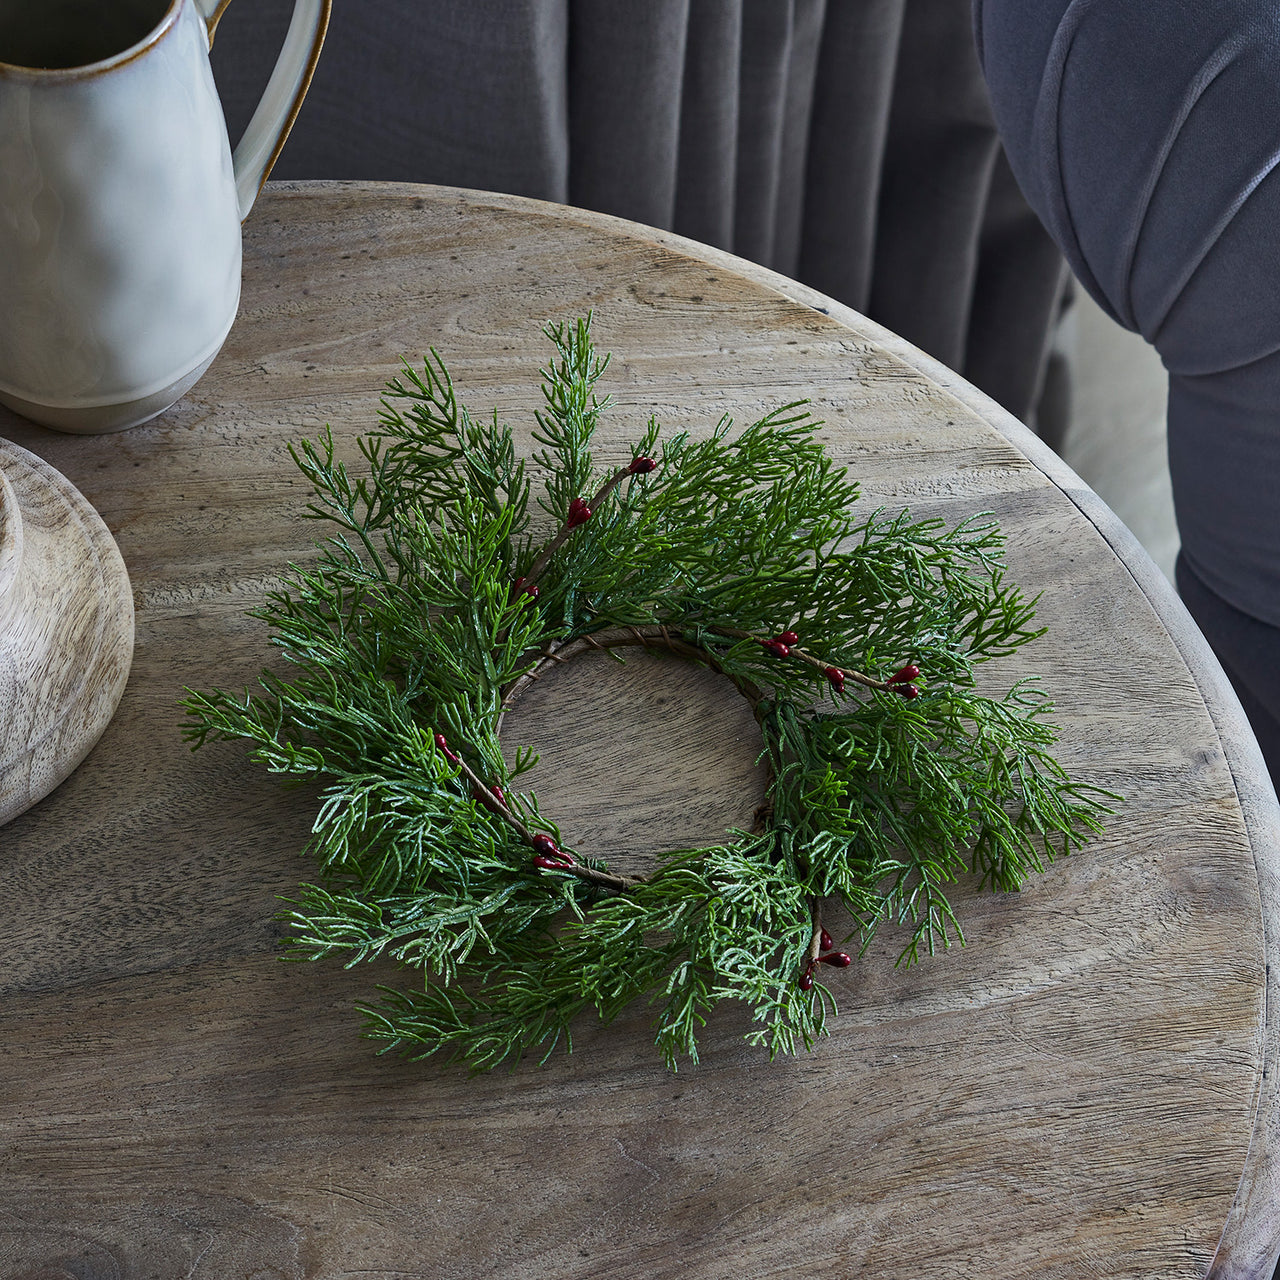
(847, 143)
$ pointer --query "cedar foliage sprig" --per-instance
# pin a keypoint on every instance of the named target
(434, 601)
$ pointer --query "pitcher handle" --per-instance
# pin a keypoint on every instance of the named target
(266, 133)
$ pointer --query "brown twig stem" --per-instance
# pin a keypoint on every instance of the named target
(672, 639)
(544, 558)
(606, 879)
(815, 943)
(821, 949)
(625, 637)
(499, 809)
(795, 652)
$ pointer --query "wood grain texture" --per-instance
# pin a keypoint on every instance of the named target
(1087, 1089)
(66, 629)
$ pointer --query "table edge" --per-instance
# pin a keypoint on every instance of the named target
(1249, 1246)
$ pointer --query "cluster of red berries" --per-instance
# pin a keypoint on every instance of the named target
(579, 513)
(901, 681)
(780, 645)
(840, 959)
(549, 855)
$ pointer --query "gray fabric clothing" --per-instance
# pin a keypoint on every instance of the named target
(1247, 650)
(1146, 137)
(846, 142)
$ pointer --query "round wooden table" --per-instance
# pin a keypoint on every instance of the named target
(1089, 1088)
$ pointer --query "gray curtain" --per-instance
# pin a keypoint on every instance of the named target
(847, 143)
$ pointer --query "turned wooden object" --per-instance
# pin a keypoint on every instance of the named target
(66, 629)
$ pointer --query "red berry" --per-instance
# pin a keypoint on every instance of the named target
(495, 792)
(841, 959)
(550, 854)
(825, 940)
(776, 647)
(641, 466)
(806, 979)
(904, 674)
(579, 513)
(908, 691)
(836, 676)
(518, 588)
(443, 746)
(788, 637)
(554, 864)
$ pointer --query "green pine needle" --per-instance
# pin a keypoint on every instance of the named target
(408, 626)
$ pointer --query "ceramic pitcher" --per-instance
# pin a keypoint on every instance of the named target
(120, 201)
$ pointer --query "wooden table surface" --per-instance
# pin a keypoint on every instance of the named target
(1087, 1089)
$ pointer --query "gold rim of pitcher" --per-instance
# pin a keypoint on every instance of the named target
(103, 65)
(304, 85)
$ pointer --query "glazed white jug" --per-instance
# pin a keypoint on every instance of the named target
(120, 201)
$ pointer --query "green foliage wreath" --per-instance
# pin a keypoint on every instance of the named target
(855, 642)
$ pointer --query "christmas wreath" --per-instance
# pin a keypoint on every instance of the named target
(854, 640)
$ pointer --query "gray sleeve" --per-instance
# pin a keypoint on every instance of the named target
(1147, 139)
